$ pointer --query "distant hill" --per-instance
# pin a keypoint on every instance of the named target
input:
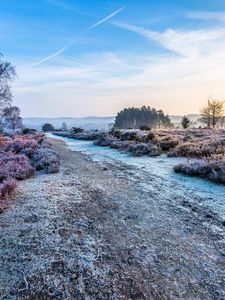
(87, 123)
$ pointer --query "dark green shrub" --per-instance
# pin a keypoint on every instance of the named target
(145, 127)
(77, 129)
(48, 127)
(29, 131)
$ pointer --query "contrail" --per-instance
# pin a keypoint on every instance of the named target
(105, 19)
(72, 42)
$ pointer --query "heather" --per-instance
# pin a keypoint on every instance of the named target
(21, 156)
(205, 146)
(196, 143)
(144, 149)
(46, 159)
(211, 170)
(15, 166)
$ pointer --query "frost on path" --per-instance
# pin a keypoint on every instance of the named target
(108, 232)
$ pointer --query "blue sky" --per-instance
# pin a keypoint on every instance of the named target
(77, 58)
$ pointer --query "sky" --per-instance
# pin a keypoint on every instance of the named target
(95, 57)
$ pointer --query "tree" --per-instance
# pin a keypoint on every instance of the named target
(11, 118)
(135, 117)
(206, 116)
(77, 130)
(213, 112)
(64, 126)
(7, 74)
(48, 127)
(185, 122)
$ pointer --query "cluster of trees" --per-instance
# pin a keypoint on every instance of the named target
(9, 115)
(146, 118)
(133, 118)
(213, 112)
(49, 127)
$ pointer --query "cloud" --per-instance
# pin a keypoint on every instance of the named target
(206, 15)
(177, 80)
(109, 81)
(66, 6)
(185, 43)
(73, 41)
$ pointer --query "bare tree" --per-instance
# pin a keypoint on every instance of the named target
(213, 112)
(217, 108)
(206, 116)
(11, 118)
(7, 74)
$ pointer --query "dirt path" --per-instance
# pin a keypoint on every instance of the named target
(92, 232)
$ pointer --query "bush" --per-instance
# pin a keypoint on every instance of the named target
(7, 187)
(199, 148)
(76, 130)
(21, 146)
(145, 127)
(48, 127)
(121, 145)
(130, 136)
(15, 166)
(144, 149)
(211, 170)
(149, 137)
(45, 158)
(29, 131)
(116, 133)
(16, 156)
(167, 143)
(104, 140)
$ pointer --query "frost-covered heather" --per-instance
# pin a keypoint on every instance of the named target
(211, 170)
(104, 140)
(47, 159)
(193, 143)
(15, 166)
(187, 143)
(175, 142)
(3, 140)
(144, 149)
(21, 156)
(7, 187)
(166, 143)
(21, 146)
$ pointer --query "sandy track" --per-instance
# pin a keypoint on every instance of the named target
(92, 232)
